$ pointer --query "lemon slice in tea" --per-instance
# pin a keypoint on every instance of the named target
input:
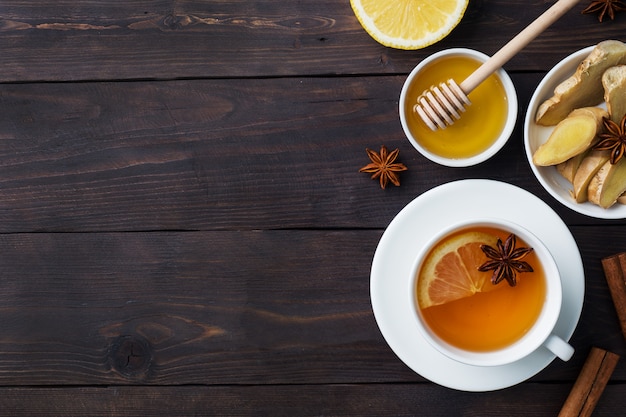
(450, 270)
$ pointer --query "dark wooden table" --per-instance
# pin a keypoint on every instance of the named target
(183, 227)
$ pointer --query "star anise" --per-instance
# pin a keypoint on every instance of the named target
(383, 166)
(505, 261)
(605, 7)
(614, 139)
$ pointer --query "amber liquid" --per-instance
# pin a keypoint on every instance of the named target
(495, 319)
(477, 129)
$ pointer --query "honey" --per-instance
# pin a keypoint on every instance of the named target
(495, 319)
(481, 123)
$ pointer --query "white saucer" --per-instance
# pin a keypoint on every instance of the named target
(412, 228)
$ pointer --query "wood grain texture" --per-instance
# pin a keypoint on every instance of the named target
(91, 40)
(198, 155)
(403, 400)
(183, 227)
(288, 308)
(224, 307)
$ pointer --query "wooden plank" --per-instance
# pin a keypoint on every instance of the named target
(187, 308)
(374, 400)
(200, 155)
(214, 308)
(166, 39)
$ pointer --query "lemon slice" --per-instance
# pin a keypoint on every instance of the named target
(408, 24)
(450, 270)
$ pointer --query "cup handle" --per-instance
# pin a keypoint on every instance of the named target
(559, 347)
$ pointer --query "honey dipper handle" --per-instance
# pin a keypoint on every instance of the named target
(516, 44)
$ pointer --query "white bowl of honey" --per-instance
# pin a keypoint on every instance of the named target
(482, 130)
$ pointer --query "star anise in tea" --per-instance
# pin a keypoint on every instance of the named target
(605, 7)
(384, 166)
(505, 260)
(614, 139)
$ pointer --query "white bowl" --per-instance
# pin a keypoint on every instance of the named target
(511, 119)
(535, 135)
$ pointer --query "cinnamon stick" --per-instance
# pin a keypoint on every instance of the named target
(615, 272)
(590, 383)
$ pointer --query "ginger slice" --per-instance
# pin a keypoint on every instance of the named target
(608, 184)
(568, 168)
(586, 171)
(584, 87)
(614, 83)
(573, 135)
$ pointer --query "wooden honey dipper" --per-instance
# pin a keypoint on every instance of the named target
(439, 105)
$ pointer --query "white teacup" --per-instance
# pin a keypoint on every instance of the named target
(540, 336)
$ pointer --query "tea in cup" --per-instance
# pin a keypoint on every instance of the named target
(487, 292)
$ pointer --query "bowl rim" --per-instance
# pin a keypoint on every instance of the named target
(507, 130)
(548, 177)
